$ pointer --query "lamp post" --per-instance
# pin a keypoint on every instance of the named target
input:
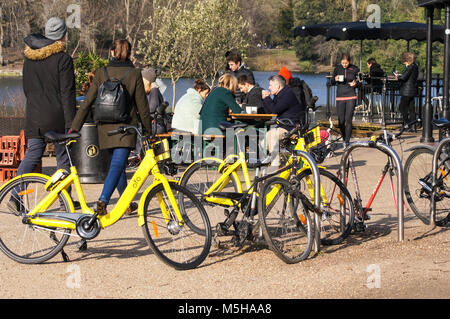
(427, 133)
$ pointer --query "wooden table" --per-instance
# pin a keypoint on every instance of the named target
(244, 116)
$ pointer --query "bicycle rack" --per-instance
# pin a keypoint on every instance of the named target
(317, 195)
(389, 152)
(438, 150)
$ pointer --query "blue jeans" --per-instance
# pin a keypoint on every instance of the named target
(116, 177)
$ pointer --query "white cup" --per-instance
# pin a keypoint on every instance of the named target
(340, 78)
(251, 110)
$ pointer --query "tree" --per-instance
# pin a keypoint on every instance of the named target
(218, 27)
(169, 45)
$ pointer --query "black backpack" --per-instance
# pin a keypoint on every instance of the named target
(302, 91)
(112, 103)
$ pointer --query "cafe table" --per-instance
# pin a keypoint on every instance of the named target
(256, 120)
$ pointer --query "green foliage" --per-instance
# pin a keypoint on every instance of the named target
(387, 53)
(84, 64)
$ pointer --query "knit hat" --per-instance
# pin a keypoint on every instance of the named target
(149, 74)
(55, 29)
(284, 72)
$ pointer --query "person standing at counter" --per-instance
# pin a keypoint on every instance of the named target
(409, 88)
(344, 76)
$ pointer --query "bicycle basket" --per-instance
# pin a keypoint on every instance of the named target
(312, 137)
(162, 150)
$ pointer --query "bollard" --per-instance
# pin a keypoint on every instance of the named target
(393, 155)
(438, 151)
(317, 196)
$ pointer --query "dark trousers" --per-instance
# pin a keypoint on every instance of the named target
(33, 156)
(407, 108)
(345, 111)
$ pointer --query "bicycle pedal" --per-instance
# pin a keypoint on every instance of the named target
(82, 245)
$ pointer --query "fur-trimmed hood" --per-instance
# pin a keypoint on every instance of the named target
(37, 47)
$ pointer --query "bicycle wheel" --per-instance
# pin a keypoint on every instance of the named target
(200, 177)
(26, 243)
(181, 246)
(418, 182)
(285, 221)
(338, 212)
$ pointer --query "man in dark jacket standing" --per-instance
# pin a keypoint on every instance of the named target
(49, 87)
(286, 105)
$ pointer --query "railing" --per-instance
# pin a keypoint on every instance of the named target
(383, 101)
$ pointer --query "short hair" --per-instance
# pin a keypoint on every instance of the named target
(200, 85)
(244, 78)
(279, 79)
(229, 82)
(122, 49)
(346, 56)
(234, 56)
(371, 61)
(408, 57)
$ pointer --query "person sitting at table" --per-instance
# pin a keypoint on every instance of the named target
(253, 93)
(286, 105)
(186, 116)
(218, 104)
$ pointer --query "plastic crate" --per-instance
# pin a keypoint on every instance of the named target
(7, 173)
(9, 158)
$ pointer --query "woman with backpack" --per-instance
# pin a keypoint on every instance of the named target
(120, 67)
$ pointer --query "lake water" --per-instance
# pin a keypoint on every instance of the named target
(11, 92)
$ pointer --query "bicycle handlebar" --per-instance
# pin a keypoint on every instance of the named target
(390, 136)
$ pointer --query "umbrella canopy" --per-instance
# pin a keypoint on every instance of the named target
(360, 30)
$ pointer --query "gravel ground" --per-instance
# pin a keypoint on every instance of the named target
(373, 264)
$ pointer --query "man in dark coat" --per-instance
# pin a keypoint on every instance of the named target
(286, 105)
(49, 87)
(234, 61)
(253, 93)
(409, 87)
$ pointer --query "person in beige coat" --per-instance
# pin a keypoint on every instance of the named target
(119, 145)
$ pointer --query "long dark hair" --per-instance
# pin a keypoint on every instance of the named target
(122, 50)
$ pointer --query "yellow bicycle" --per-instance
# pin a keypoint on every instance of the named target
(217, 184)
(37, 215)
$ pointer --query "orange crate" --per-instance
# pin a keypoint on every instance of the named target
(9, 157)
(7, 173)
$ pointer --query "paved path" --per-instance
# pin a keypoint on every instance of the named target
(373, 264)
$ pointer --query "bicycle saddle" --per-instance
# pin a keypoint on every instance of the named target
(442, 122)
(54, 137)
(224, 125)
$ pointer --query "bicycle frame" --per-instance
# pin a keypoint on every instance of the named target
(148, 165)
(241, 162)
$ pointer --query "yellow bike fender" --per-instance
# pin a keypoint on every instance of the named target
(141, 217)
(66, 195)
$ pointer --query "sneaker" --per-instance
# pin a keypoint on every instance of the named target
(101, 208)
(15, 207)
(132, 209)
(76, 205)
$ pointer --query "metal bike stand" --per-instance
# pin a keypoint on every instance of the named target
(438, 150)
(317, 198)
(389, 152)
